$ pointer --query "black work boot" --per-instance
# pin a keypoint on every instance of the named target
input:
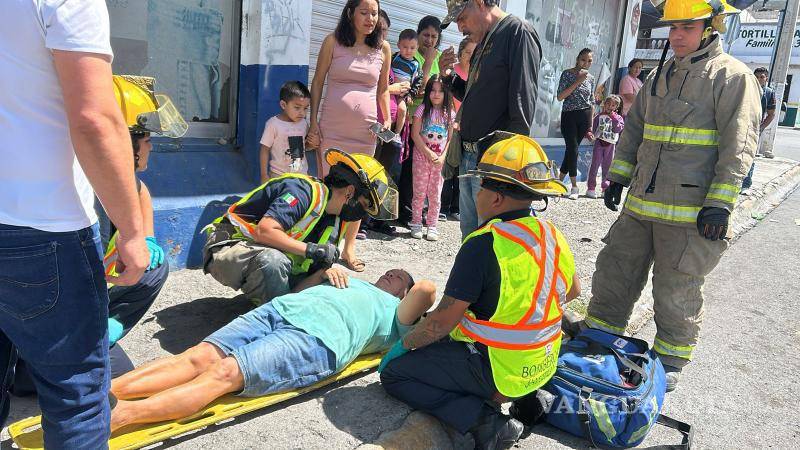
(496, 432)
(673, 376)
(572, 324)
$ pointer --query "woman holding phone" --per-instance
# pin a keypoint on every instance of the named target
(355, 61)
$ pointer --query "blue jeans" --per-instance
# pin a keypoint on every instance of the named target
(273, 354)
(468, 194)
(54, 310)
(127, 304)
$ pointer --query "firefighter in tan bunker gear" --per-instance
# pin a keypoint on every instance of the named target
(689, 140)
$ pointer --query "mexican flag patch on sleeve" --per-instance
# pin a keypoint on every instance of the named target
(290, 199)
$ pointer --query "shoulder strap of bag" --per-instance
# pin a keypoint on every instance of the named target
(684, 428)
(595, 347)
(584, 416)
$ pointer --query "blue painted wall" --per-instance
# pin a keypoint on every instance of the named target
(188, 180)
(259, 97)
(556, 154)
(193, 181)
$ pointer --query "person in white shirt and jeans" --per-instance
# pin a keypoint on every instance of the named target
(64, 137)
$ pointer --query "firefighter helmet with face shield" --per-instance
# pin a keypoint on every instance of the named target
(144, 110)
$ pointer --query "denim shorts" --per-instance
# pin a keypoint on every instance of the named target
(273, 354)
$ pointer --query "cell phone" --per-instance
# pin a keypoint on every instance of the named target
(452, 50)
(384, 135)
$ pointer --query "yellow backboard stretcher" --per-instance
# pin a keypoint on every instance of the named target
(27, 433)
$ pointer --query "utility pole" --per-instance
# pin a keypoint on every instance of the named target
(780, 65)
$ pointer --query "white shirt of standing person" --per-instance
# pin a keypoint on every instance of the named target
(43, 186)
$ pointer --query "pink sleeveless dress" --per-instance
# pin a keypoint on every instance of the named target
(350, 104)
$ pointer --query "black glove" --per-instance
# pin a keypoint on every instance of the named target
(326, 254)
(613, 195)
(712, 223)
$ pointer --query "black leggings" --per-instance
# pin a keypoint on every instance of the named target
(574, 125)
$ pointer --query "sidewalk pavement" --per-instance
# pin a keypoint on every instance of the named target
(350, 414)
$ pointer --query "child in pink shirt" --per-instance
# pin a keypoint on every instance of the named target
(431, 131)
(282, 144)
(606, 128)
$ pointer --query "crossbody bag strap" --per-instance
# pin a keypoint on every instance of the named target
(594, 346)
(684, 428)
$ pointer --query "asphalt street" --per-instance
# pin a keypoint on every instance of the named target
(740, 390)
(788, 143)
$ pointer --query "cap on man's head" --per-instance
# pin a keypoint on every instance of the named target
(454, 8)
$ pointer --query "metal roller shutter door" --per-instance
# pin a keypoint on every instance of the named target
(403, 14)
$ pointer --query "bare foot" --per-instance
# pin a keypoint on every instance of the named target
(120, 416)
(349, 260)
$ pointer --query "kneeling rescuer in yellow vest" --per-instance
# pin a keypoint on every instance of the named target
(689, 140)
(501, 306)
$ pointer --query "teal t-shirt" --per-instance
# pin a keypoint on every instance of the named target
(360, 319)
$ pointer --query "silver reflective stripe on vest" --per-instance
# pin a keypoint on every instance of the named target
(527, 337)
(520, 233)
(549, 273)
(300, 227)
(512, 337)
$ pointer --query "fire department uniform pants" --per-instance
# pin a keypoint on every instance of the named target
(680, 258)
(262, 273)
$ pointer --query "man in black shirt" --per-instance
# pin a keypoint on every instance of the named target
(500, 93)
(500, 307)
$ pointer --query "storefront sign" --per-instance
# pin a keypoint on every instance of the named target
(760, 40)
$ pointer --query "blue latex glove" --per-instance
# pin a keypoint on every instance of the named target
(396, 351)
(115, 330)
(156, 253)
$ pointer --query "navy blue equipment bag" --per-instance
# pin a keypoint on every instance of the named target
(608, 389)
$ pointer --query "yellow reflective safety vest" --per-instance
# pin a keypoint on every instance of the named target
(690, 145)
(319, 200)
(524, 334)
(110, 258)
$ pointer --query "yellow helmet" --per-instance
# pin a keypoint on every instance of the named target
(382, 191)
(145, 111)
(690, 10)
(521, 161)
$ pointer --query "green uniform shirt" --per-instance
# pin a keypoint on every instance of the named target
(361, 319)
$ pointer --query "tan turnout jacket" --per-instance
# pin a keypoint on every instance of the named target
(691, 144)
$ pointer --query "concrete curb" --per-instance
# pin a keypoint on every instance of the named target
(761, 202)
(745, 216)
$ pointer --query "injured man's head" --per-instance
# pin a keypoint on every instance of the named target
(396, 282)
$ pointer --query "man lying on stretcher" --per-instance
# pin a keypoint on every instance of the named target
(294, 341)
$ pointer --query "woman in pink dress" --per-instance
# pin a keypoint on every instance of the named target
(630, 85)
(355, 60)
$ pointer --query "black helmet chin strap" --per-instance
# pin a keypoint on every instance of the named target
(658, 70)
(546, 202)
(717, 8)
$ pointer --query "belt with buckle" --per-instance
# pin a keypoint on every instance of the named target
(470, 147)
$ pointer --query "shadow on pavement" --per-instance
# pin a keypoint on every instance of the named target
(544, 430)
(186, 324)
(364, 412)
